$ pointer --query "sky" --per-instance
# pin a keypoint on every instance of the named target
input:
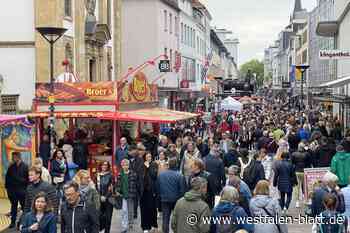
(256, 23)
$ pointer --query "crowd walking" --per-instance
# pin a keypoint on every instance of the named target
(241, 164)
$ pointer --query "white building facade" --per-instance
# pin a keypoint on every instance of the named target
(17, 50)
(150, 29)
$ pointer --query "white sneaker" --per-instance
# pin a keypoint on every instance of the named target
(284, 211)
(297, 204)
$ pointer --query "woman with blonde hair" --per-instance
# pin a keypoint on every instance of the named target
(45, 174)
(87, 188)
(263, 205)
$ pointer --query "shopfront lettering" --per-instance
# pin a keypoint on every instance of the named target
(97, 92)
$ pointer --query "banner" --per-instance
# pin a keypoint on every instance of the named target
(16, 137)
(76, 92)
(138, 90)
(312, 176)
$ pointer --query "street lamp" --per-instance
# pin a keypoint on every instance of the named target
(303, 68)
(51, 35)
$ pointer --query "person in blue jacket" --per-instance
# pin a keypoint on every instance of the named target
(41, 218)
(229, 210)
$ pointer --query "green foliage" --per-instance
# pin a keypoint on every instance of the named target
(256, 67)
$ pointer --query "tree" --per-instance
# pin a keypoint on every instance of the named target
(256, 68)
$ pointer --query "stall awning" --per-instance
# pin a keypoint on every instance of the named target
(68, 114)
(154, 115)
(5, 119)
(337, 83)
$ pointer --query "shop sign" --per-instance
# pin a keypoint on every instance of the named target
(184, 84)
(76, 92)
(138, 90)
(285, 84)
(164, 66)
(311, 176)
(334, 55)
(139, 87)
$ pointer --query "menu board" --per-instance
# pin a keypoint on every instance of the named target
(311, 176)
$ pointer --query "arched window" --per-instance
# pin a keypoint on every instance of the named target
(69, 56)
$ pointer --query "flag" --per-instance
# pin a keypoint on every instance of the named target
(292, 74)
(206, 66)
(298, 74)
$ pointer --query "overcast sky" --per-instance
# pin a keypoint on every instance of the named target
(256, 23)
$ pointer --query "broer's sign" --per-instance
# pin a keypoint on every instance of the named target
(334, 54)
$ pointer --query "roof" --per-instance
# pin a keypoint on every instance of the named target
(172, 3)
(337, 83)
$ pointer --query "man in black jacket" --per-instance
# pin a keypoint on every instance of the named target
(78, 216)
(215, 166)
(16, 183)
(36, 186)
(137, 166)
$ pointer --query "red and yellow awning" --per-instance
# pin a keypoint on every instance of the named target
(154, 115)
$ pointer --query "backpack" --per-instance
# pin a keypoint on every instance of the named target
(249, 174)
(224, 227)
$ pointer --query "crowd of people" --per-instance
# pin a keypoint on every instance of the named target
(239, 165)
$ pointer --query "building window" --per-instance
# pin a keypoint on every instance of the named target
(68, 8)
(69, 57)
(109, 66)
(165, 21)
(109, 14)
(171, 59)
(166, 51)
(171, 23)
(92, 70)
(176, 26)
(182, 32)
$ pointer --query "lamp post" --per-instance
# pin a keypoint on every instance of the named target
(303, 68)
(51, 35)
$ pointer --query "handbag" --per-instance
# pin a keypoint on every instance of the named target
(116, 201)
(58, 180)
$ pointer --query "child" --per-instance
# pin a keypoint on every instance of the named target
(126, 187)
(331, 216)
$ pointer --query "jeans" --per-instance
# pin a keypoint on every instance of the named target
(106, 211)
(300, 186)
(15, 198)
(136, 206)
(127, 214)
(167, 208)
(283, 202)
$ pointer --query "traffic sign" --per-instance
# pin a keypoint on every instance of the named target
(286, 85)
(233, 90)
(164, 66)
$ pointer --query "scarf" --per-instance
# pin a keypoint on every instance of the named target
(124, 185)
(84, 189)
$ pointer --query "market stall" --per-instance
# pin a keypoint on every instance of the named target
(104, 111)
(17, 134)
